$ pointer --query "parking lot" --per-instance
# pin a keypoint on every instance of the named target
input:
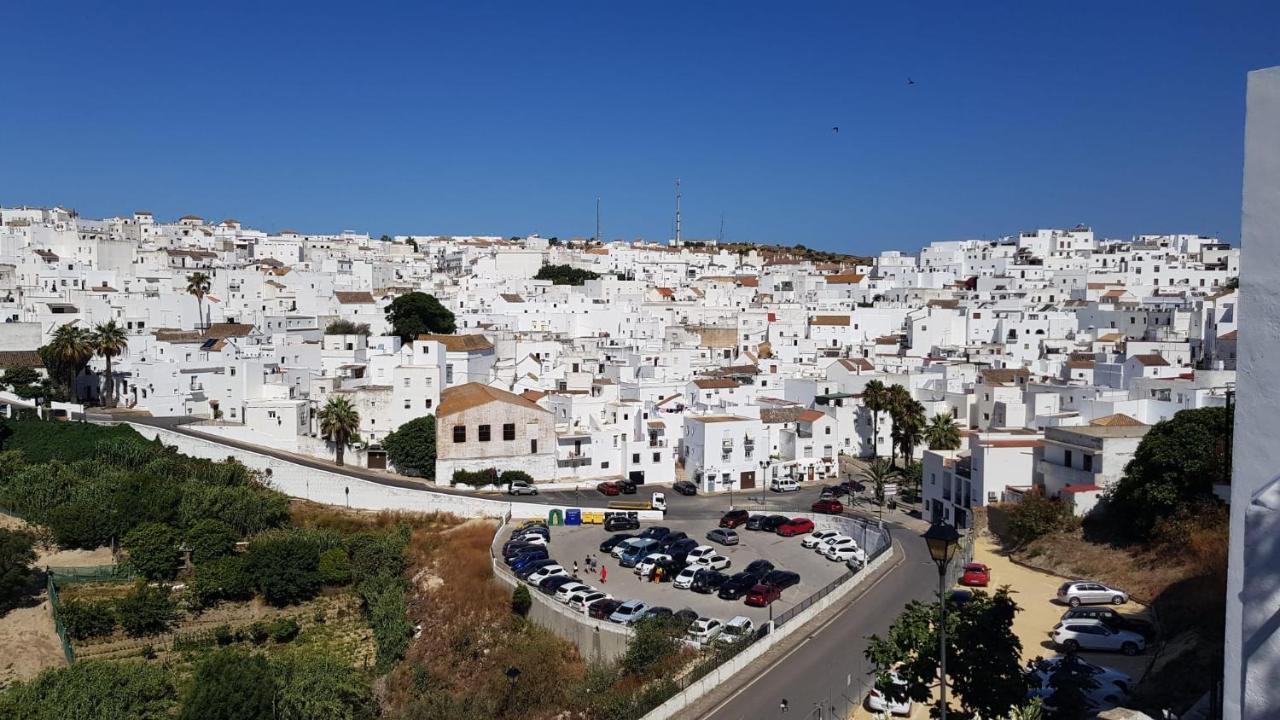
(577, 543)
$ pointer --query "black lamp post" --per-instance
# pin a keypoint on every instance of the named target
(943, 541)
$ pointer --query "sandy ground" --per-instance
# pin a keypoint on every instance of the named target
(29, 642)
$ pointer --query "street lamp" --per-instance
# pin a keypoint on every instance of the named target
(943, 541)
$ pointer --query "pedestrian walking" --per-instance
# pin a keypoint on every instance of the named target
(575, 568)
(657, 574)
(604, 571)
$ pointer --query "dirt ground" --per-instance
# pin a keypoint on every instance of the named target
(30, 643)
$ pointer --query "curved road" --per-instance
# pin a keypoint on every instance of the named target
(822, 676)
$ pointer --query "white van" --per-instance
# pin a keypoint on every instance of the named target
(784, 485)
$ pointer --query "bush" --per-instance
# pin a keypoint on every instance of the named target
(93, 689)
(284, 567)
(412, 447)
(283, 630)
(389, 617)
(334, 567)
(565, 275)
(84, 619)
(17, 552)
(153, 550)
(521, 601)
(322, 687)
(258, 633)
(211, 539)
(223, 635)
(1035, 517)
(146, 611)
(478, 478)
(376, 554)
(511, 476)
(222, 579)
(653, 643)
(231, 684)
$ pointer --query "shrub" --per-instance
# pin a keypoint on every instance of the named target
(511, 476)
(1035, 517)
(477, 478)
(17, 552)
(389, 617)
(146, 611)
(283, 630)
(284, 567)
(322, 686)
(412, 447)
(334, 567)
(653, 643)
(230, 684)
(93, 689)
(153, 550)
(211, 539)
(521, 601)
(84, 619)
(376, 554)
(224, 635)
(222, 579)
(258, 633)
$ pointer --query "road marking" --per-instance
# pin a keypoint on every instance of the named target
(801, 644)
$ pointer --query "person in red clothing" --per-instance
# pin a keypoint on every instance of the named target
(604, 571)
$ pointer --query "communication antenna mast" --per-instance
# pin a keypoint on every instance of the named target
(677, 212)
(720, 236)
(598, 220)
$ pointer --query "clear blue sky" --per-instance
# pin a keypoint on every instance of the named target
(511, 118)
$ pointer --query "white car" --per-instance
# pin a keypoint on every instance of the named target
(576, 593)
(699, 552)
(815, 538)
(629, 612)
(645, 566)
(684, 580)
(1111, 686)
(582, 603)
(878, 703)
(703, 631)
(737, 628)
(715, 562)
(543, 573)
(846, 553)
(837, 539)
(564, 591)
(532, 539)
(1087, 634)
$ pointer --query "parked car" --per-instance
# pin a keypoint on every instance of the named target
(773, 522)
(527, 557)
(565, 591)
(699, 551)
(635, 553)
(832, 507)
(656, 613)
(613, 542)
(532, 539)
(626, 487)
(795, 526)
(629, 612)
(540, 530)
(761, 595)
(621, 521)
(703, 632)
(877, 702)
(672, 539)
(639, 544)
(650, 561)
(975, 575)
(524, 572)
(511, 548)
(836, 490)
(738, 628)
(724, 536)
(583, 600)
(685, 617)
(845, 553)
(679, 550)
(1108, 678)
(545, 572)
(602, 609)
(684, 578)
(756, 521)
(553, 583)
(609, 488)
(781, 579)
(715, 562)
(1112, 619)
(1076, 594)
(657, 532)
(780, 485)
(520, 487)
(1076, 635)
(737, 586)
(815, 538)
(706, 581)
(759, 568)
(833, 539)
(734, 518)
(684, 487)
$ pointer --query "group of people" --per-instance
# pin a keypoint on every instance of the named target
(590, 564)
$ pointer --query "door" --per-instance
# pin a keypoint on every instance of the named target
(636, 476)
(747, 481)
(377, 460)
(810, 473)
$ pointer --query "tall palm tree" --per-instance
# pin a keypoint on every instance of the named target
(877, 473)
(110, 340)
(71, 348)
(897, 399)
(942, 433)
(338, 422)
(909, 428)
(875, 398)
(198, 285)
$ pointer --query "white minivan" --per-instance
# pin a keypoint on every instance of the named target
(784, 485)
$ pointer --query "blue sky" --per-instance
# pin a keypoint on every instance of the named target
(511, 118)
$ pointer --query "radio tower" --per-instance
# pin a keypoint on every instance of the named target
(677, 243)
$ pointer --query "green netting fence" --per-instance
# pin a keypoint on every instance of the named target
(55, 605)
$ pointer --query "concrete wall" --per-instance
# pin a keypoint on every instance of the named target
(1252, 652)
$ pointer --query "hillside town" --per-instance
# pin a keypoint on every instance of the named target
(1037, 360)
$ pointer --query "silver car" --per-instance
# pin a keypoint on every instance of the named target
(1076, 594)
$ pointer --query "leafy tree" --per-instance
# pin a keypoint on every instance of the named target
(231, 684)
(80, 525)
(322, 687)
(109, 340)
(911, 480)
(565, 275)
(411, 448)
(334, 567)
(247, 509)
(1034, 517)
(1070, 683)
(521, 601)
(877, 474)
(284, 567)
(211, 539)
(513, 476)
(875, 397)
(17, 552)
(375, 555)
(153, 550)
(1175, 467)
(93, 689)
(984, 669)
(908, 421)
(339, 421)
(67, 353)
(347, 327)
(85, 619)
(146, 611)
(654, 642)
(418, 313)
(222, 579)
(942, 433)
(198, 285)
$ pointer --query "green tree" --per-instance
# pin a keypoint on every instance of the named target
(1174, 468)
(339, 421)
(226, 578)
(984, 668)
(1035, 516)
(85, 619)
(347, 327)
(521, 601)
(146, 611)
(942, 433)
(231, 684)
(316, 686)
(654, 642)
(211, 539)
(411, 448)
(1070, 683)
(109, 340)
(877, 474)
(17, 552)
(153, 550)
(198, 285)
(418, 313)
(875, 398)
(91, 690)
(389, 617)
(67, 353)
(908, 425)
(565, 275)
(335, 567)
(284, 567)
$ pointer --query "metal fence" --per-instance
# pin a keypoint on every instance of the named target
(89, 573)
(882, 546)
(55, 606)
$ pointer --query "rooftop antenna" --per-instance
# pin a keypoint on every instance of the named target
(598, 220)
(720, 236)
(677, 212)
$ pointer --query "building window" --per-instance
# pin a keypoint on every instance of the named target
(533, 446)
(657, 457)
(406, 403)
(635, 458)
(508, 431)
(427, 402)
(484, 433)
(459, 433)
(407, 382)
(604, 465)
(1088, 463)
(1066, 458)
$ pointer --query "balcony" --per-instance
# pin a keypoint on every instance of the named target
(573, 460)
(657, 442)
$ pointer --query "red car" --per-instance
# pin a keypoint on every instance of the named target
(795, 526)
(828, 506)
(976, 575)
(734, 518)
(761, 595)
(609, 488)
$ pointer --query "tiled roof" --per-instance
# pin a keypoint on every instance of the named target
(811, 415)
(857, 364)
(464, 397)
(1151, 360)
(715, 384)
(843, 279)
(10, 359)
(460, 343)
(1117, 420)
(832, 320)
(361, 297)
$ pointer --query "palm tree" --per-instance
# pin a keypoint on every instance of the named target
(876, 474)
(897, 398)
(875, 398)
(71, 347)
(198, 285)
(109, 340)
(338, 422)
(909, 427)
(942, 433)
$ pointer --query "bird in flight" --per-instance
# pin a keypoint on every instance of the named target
(910, 81)
(836, 130)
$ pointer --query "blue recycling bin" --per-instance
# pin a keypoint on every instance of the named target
(573, 517)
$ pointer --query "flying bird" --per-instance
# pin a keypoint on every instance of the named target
(910, 81)
(836, 130)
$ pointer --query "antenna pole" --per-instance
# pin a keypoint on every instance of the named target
(598, 220)
(677, 212)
